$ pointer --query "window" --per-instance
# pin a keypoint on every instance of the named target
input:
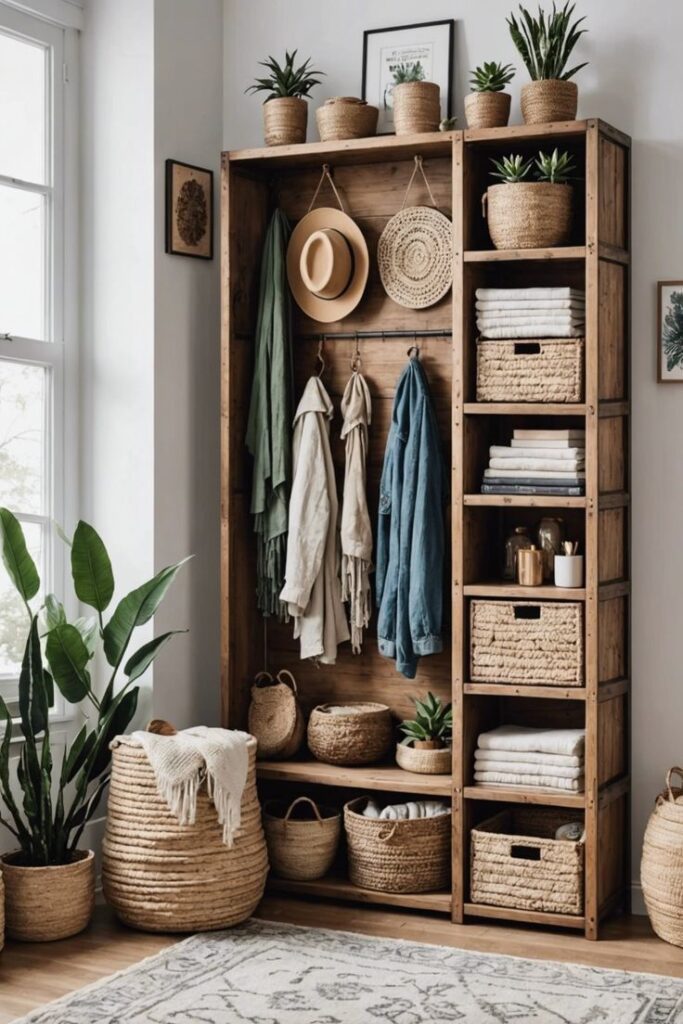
(37, 302)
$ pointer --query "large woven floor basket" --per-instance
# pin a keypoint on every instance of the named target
(661, 867)
(160, 876)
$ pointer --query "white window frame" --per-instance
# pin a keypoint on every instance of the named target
(59, 353)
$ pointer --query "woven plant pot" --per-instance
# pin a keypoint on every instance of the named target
(424, 762)
(549, 99)
(2, 912)
(284, 120)
(301, 848)
(160, 876)
(537, 370)
(397, 856)
(487, 109)
(43, 904)
(350, 734)
(345, 117)
(661, 866)
(528, 215)
(417, 107)
(276, 720)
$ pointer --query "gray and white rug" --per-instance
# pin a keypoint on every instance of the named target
(265, 973)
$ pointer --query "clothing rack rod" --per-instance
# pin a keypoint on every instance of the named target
(361, 335)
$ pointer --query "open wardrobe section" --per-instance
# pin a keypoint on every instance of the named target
(506, 375)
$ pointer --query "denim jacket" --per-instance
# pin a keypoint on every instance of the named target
(410, 528)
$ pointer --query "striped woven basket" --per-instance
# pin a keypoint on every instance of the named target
(661, 866)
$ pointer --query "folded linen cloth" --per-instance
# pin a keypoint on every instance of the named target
(529, 293)
(515, 779)
(530, 757)
(541, 330)
(539, 474)
(183, 761)
(569, 742)
(559, 445)
(516, 317)
(563, 465)
(508, 305)
(523, 767)
(499, 451)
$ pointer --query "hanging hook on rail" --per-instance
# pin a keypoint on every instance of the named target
(356, 362)
(320, 356)
(414, 348)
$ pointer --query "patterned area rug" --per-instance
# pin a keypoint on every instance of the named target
(265, 973)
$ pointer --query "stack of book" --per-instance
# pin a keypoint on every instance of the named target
(538, 462)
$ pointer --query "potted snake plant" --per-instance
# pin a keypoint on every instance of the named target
(488, 106)
(45, 806)
(545, 45)
(425, 747)
(416, 102)
(285, 109)
(525, 214)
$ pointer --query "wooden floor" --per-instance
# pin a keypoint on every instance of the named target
(31, 975)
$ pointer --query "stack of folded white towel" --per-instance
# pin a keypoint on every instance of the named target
(518, 755)
(531, 312)
(538, 461)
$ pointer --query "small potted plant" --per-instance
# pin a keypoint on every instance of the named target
(285, 110)
(545, 45)
(525, 214)
(416, 102)
(425, 747)
(49, 880)
(488, 106)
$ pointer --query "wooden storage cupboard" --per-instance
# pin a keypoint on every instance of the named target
(372, 175)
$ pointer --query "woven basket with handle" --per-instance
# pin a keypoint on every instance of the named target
(276, 720)
(661, 866)
(301, 847)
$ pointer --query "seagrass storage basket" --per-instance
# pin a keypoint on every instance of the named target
(276, 720)
(160, 876)
(2, 912)
(302, 836)
(350, 734)
(661, 866)
(528, 214)
(517, 862)
(531, 642)
(397, 856)
(547, 370)
(346, 117)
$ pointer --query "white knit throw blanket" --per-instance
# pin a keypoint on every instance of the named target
(182, 762)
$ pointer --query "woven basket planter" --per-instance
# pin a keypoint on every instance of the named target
(549, 99)
(516, 862)
(397, 856)
(661, 866)
(531, 642)
(350, 734)
(544, 370)
(276, 720)
(487, 109)
(345, 117)
(528, 214)
(417, 107)
(160, 876)
(284, 120)
(43, 904)
(2, 912)
(424, 762)
(302, 848)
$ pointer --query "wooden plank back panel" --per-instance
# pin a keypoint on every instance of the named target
(613, 199)
(613, 369)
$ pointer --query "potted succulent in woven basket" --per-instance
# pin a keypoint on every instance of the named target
(416, 102)
(488, 106)
(425, 747)
(526, 214)
(49, 880)
(545, 45)
(285, 110)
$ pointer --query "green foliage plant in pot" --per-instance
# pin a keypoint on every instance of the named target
(524, 214)
(545, 44)
(45, 801)
(285, 110)
(416, 102)
(425, 747)
(488, 105)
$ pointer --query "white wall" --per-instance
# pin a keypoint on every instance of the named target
(635, 81)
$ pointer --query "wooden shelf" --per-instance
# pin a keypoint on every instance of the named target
(339, 888)
(567, 252)
(524, 795)
(525, 916)
(522, 501)
(346, 151)
(513, 591)
(387, 778)
(516, 690)
(520, 132)
(524, 409)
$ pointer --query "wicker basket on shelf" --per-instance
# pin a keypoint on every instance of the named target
(543, 370)
(301, 848)
(350, 734)
(417, 107)
(345, 117)
(424, 762)
(549, 99)
(528, 214)
(276, 720)
(661, 866)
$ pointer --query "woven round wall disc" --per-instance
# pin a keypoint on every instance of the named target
(414, 255)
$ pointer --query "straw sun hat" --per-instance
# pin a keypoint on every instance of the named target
(327, 264)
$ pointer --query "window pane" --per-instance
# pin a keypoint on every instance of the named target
(22, 109)
(22, 437)
(22, 263)
(13, 616)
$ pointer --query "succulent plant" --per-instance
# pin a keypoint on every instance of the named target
(433, 721)
(408, 72)
(545, 44)
(286, 80)
(554, 167)
(491, 77)
(512, 169)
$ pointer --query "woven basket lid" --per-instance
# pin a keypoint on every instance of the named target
(415, 257)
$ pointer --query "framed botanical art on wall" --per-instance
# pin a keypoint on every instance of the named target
(670, 331)
(407, 53)
(189, 210)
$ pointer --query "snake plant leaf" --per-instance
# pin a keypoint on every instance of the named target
(91, 568)
(139, 662)
(79, 752)
(68, 657)
(33, 705)
(19, 564)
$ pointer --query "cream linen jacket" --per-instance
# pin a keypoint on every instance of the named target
(312, 587)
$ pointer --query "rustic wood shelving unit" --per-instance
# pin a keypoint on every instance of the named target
(372, 175)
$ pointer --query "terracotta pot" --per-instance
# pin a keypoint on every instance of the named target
(47, 903)
(528, 215)
(417, 107)
(284, 120)
(549, 99)
(487, 109)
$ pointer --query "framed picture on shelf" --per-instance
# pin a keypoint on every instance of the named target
(670, 332)
(422, 52)
(189, 210)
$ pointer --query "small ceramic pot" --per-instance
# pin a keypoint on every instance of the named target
(569, 571)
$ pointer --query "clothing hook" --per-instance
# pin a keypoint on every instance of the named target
(320, 356)
(356, 362)
(414, 347)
